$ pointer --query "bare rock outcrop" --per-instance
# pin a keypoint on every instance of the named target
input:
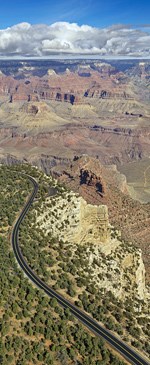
(79, 222)
(140, 276)
(92, 224)
(88, 178)
(129, 216)
(111, 259)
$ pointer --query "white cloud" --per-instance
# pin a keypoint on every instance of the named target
(26, 40)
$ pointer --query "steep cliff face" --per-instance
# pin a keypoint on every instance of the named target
(112, 260)
(71, 87)
(140, 276)
(93, 223)
(92, 179)
(88, 178)
(79, 222)
(129, 216)
(51, 94)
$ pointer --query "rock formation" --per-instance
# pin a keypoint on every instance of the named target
(129, 216)
(89, 178)
(68, 217)
(93, 223)
(140, 276)
(72, 87)
(78, 221)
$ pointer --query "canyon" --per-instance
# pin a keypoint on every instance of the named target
(91, 107)
(86, 122)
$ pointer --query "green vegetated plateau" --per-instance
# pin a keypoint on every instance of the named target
(34, 328)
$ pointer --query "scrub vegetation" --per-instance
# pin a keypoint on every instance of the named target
(34, 328)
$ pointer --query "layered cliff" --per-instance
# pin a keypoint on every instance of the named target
(128, 215)
(71, 87)
(111, 145)
(87, 226)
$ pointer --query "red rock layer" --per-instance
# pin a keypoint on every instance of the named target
(68, 87)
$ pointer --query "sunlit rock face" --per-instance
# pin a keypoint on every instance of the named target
(140, 277)
(93, 223)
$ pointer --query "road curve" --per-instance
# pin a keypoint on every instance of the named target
(126, 351)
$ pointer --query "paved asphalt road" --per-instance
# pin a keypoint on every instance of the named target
(128, 353)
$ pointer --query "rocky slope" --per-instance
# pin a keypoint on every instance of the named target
(86, 225)
(104, 185)
(111, 145)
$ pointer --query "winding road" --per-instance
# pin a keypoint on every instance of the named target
(126, 351)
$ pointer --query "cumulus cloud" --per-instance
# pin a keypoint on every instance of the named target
(62, 38)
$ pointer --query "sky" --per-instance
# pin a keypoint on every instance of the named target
(108, 28)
